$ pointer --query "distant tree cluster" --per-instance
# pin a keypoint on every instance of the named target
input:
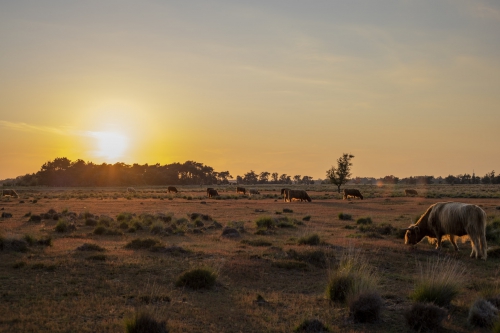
(63, 172)
(265, 177)
(488, 178)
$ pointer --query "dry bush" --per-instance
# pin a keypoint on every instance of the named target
(311, 326)
(90, 247)
(312, 239)
(439, 281)
(141, 244)
(482, 314)
(424, 317)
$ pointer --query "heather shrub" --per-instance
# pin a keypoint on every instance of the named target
(366, 307)
(312, 239)
(200, 278)
(140, 244)
(482, 314)
(364, 220)
(343, 216)
(264, 222)
(424, 317)
(61, 226)
(311, 326)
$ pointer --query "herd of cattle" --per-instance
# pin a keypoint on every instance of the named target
(450, 220)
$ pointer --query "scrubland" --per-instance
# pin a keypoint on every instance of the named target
(89, 259)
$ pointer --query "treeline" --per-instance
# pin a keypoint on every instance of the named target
(489, 178)
(64, 172)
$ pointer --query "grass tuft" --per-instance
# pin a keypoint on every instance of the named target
(312, 239)
(141, 244)
(439, 281)
(366, 307)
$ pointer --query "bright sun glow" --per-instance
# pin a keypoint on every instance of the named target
(110, 145)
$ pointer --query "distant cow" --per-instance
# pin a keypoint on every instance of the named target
(453, 219)
(131, 189)
(297, 195)
(254, 191)
(172, 189)
(349, 192)
(11, 193)
(241, 190)
(411, 192)
(284, 193)
(209, 189)
(212, 193)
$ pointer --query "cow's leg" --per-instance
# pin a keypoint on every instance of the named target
(454, 242)
(438, 242)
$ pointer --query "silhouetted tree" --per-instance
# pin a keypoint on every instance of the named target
(340, 175)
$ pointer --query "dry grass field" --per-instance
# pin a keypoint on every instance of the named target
(268, 280)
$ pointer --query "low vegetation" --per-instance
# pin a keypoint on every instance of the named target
(200, 278)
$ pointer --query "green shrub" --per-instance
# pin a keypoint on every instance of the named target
(90, 247)
(61, 226)
(439, 281)
(90, 222)
(143, 322)
(100, 230)
(423, 317)
(200, 278)
(313, 325)
(138, 244)
(312, 239)
(364, 220)
(340, 287)
(343, 216)
(124, 216)
(265, 222)
(30, 240)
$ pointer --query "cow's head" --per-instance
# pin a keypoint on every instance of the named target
(412, 235)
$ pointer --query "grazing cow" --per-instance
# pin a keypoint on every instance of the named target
(212, 193)
(11, 193)
(297, 195)
(131, 189)
(209, 189)
(284, 193)
(411, 192)
(254, 191)
(350, 192)
(172, 189)
(241, 190)
(454, 219)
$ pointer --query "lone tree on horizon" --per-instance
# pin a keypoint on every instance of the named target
(340, 175)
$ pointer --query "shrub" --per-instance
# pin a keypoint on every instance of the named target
(97, 257)
(157, 229)
(306, 218)
(29, 239)
(311, 326)
(199, 278)
(425, 316)
(366, 307)
(12, 244)
(482, 314)
(257, 242)
(309, 240)
(124, 216)
(264, 222)
(90, 222)
(90, 247)
(439, 282)
(61, 226)
(35, 218)
(100, 230)
(138, 244)
(339, 287)
(143, 322)
(287, 210)
(291, 264)
(315, 258)
(364, 220)
(343, 216)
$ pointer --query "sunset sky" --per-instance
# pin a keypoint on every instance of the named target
(409, 87)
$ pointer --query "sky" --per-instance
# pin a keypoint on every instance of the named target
(409, 87)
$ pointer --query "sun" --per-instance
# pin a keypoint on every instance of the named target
(110, 145)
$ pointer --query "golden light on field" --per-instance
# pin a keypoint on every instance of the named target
(110, 145)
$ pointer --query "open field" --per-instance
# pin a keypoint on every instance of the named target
(60, 288)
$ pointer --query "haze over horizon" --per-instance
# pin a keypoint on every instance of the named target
(408, 87)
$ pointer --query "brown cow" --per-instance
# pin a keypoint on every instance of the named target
(284, 193)
(454, 219)
(172, 189)
(212, 193)
(411, 192)
(11, 193)
(208, 190)
(349, 192)
(240, 190)
(297, 195)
